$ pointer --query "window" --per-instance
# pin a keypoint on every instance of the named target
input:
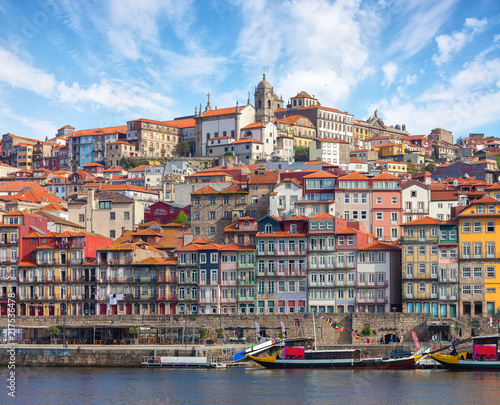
(434, 250)
(466, 227)
(466, 250)
(478, 226)
(466, 289)
(203, 258)
(409, 232)
(478, 272)
(212, 230)
(421, 250)
(379, 200)
(478, 250)
(196, 216)
(196, 201)
(421, 268)
(379, 216)
(346, 198)
(126, 215)
(421, 287)
(490, 272)
(490, 226)
(465, 272)
(81, 218)
(434, 232)
(112, 234)
(212, 214)
(409, 250)
(490, 250)
(478, 289)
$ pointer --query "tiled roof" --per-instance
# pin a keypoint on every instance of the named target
(246, 140)
(221, 111)
(323, 215)
(268, 178)
(354, 176)
(184, 123)
(18, 186)
(377, 245)
(114, 169)
(255, 125)
(423, 221)
(235, 188)
(98, 131)
(206, 190)
(93, 164)
(281, 234)
(354, 160)
(486, 200)
(296, 218)
(386, 176)
(320, 174)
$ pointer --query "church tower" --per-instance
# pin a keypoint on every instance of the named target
(266, 102)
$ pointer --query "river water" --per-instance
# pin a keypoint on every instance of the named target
(250, 386)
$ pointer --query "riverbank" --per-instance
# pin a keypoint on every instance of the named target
(131, 356)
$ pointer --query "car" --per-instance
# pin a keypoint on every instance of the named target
(397, 354)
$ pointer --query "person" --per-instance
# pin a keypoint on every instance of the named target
(391, 340)
(382, 340)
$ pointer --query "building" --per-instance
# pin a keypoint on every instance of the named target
(118, 150)
(332, 151)
(241, 232)
(212, 210)
(266, 101)
(260, 184)
(479, 253)
(416, 197)
(284, 197)
(9, 150)
(300, 128)
(153, 139)
(282, 265)
(442, 135)
(106, 212)
(248, 150)
(486, 170)
(420, 267)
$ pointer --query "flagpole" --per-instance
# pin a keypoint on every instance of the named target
(314, 326)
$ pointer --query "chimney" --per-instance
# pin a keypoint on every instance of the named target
(123, 230)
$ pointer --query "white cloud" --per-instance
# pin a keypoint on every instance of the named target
(314, 46)
(121, 96)
(467, 101)
(37, 129)
(448, 45)
(411, 79)
(390, 71)
(422, 20)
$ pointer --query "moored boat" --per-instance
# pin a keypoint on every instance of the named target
(301, 357)
(486, 356)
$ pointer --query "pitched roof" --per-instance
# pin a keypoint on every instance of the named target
(423, 221)
(269, 178)
(98, 131)
(206, 190)
(246, 140)
(323, 215)
(386, 176)
(221, 111)
(182, 123)
(354, 176)
(18, 186)
(320, 174)
(377, 245)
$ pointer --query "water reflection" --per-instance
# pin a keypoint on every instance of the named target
(253, 386)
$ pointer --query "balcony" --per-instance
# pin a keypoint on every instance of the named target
(208, 282)
(228, 300)
(75, 261)
(416, 211)
(246, 281)
(207, 300)
(128, 297)
(246, 297)
(246, 265)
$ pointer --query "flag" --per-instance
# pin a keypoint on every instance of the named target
(321, 317)
(357, 336)
(415, 340)
(304, 315)
(342, 329)
(257, 328)
(283, 328)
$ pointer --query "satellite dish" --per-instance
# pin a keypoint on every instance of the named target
(157, 163)
(151, 163)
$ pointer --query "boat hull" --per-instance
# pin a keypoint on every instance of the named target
(458, 363)
(365, 364)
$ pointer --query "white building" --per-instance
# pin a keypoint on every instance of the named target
(248, 150)
(356, 165)
(284, 197)
(220, 146)
(221, 122)
(265, 132)
(416, 197)
(335, 152)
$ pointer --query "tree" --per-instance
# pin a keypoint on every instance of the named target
(412, 168)
(182, 149)
(229, 154)
(429, 168)
(182, 218)
(498, 161)
(54, 331)
(133, 331)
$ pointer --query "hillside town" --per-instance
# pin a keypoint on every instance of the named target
(268, 207)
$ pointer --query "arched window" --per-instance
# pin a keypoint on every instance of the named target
(260, 104)
(268, 228)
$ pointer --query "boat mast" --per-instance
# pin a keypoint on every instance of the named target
(314, 327)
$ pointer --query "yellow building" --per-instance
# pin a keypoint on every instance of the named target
(494, 191)
(391, 149)
(419, 276)
(395, 168)
(24, 156)
(300, 128)
(479, 271)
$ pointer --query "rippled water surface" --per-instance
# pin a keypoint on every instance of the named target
(250, 386)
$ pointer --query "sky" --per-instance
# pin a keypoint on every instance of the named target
(93, 64)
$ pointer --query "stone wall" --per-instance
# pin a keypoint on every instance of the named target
(383, 324)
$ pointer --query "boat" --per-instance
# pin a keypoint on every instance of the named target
(485, 356)
(298, 353)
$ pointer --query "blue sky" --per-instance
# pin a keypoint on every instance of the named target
(90, 64)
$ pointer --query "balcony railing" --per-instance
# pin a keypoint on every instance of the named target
(246, 264)
(246, 281)
(228, 300)
(207, 300)
(246, 297)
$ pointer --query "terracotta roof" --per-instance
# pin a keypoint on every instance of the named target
(155, 261)
(386, 176)
(115, 169)
(140, 168)
(315, 162)
(377, 245)
(486, 200)
(17, 186)
(330, 140)
(268, 178)
(246, 140)
(255, 125)
(93, 164)
(320, 174)
(323, 215)
(423, 221)
(296, 218)
(235, 188)
(183, 123)
(445, 195)
(201, 241)
(206, 173)
(354, 176)
(282, 234)
(354, 160)
(206, 190)
(98, 131)
(221, 111)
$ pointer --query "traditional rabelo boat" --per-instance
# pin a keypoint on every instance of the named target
(298, 353)
(485, 356)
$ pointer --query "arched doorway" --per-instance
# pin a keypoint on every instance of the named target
(391, 338)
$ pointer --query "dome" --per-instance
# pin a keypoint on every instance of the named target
(264, 84)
